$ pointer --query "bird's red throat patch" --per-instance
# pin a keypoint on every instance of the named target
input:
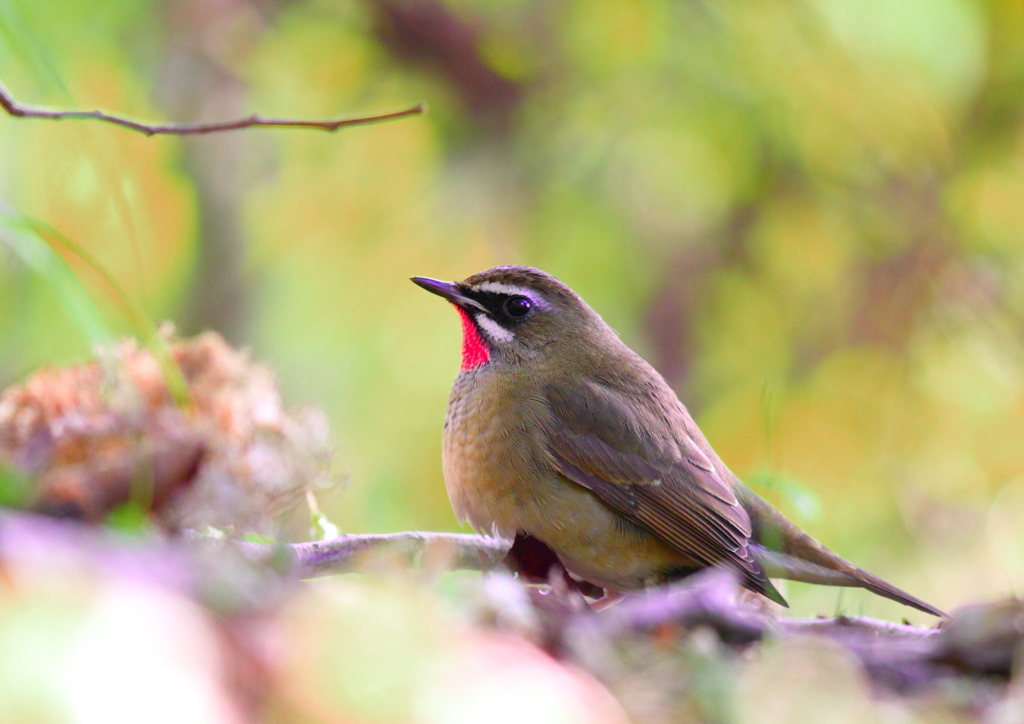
(475, 351)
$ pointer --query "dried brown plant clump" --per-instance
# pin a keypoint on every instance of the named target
(97, 436)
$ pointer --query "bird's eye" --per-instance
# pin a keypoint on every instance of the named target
(518, 307)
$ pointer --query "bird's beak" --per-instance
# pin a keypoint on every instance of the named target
(450, 291)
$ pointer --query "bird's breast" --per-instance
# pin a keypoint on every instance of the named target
(487, 453)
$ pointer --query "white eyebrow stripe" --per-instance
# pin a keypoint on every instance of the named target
(492, 329)
(512, 290)
(499, 288)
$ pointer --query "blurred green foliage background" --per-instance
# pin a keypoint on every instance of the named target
(808, 214)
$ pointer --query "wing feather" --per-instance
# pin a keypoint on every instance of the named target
(650, 471)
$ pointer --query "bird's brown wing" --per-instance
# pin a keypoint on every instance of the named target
(652, 473)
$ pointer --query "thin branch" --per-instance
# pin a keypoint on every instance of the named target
(897, 657)
(708, 598)
(322, 558)
(19, 110)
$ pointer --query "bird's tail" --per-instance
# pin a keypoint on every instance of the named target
(785, 551)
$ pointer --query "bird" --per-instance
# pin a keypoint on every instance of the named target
(556, 431)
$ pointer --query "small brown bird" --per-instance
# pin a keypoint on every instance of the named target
(558, 431)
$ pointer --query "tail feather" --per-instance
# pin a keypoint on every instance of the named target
(781, 565)
(887, 590)
(785, 551)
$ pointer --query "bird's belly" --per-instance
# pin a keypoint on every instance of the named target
(498, 483)
(596, 544)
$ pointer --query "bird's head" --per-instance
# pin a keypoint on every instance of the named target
(515, 313)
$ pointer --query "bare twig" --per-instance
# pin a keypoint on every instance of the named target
(707, 599)
(322, 558)
(897, 657)
(19, 110)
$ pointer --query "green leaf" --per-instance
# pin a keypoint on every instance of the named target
(130, 519)
(14, 488)
(259, 538)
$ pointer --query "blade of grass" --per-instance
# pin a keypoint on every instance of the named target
(27, 48)
(36, 243)
(39, 256)
(144, 326)
(36, 56)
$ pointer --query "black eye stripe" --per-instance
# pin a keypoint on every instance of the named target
(497, 304)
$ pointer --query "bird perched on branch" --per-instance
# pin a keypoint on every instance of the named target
(558, 431)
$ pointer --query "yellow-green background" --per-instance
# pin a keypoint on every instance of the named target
(808, 214)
